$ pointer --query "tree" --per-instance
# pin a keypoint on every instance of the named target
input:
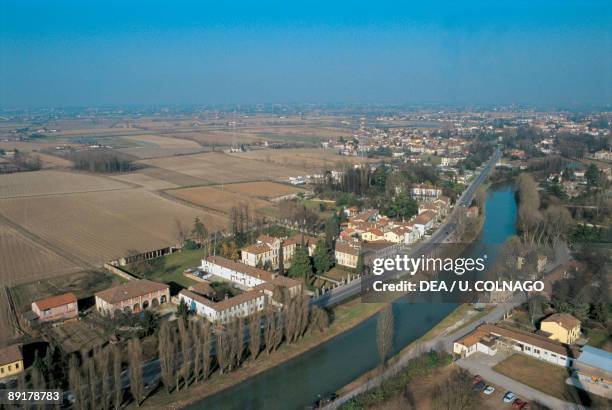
(384, 332)
(401, 206)
(360, 267)
(117, 385)
(300, 264)
(103, 362)
(197, 351)
(199, 231)
(593, 176)
(183, 311)
(74, 381)
(224, 349)
(206, 341)
(456, 393)
(332, 229)
(254, 335)
(180, 231)
(319, 320)
(166, 351)
(239, 336)
(269, 329)
(135, 370)
(185, 351)
(322, 257)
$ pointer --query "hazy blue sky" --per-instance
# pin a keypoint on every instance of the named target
(73, 53)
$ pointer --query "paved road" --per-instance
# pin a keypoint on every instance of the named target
(483, 368)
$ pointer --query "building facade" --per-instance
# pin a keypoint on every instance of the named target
(11, 361)
(56, 308)
(132, 297)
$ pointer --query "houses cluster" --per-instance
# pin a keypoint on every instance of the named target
(554, 343)
(259, 289)
(369, 226)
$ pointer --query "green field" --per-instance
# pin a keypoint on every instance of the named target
(170, 268)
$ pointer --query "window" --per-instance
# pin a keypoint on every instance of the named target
(528, 348)
(536, 351)
(16, 365)
(553, 355)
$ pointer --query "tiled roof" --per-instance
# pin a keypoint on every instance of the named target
(241, 267)
(346, 248)
(10, 354)
(566, 320)
(130, 290)
(55, 301)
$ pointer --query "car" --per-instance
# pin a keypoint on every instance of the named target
(518, 404)
(477, 379)
(489, 390)
(479, 386)
(509, 397)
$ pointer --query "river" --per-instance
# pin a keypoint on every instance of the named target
(326, 368)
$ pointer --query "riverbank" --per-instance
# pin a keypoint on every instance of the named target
(455, 321)
(346, 317)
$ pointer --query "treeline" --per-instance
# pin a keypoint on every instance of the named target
(190, 350)
(540, 226)
(104, 161)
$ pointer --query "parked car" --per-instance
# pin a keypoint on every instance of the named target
(489, 390)
(479, 386)
(518, 404)
(509, 397)
(477, 379)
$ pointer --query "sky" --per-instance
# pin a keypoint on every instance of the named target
(100, 53)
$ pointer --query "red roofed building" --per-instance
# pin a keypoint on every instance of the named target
(60, 307)
(133, 296)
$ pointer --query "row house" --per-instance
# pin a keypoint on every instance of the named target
(239, 306)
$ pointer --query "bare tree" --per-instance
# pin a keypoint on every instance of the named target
(167, 354)
(456, 393)
(254, 335)
(117, 385)
(38, 383)
(278, 330)
(304, 308)
(239, 341)
(197, 350)
(384, 332)
(224, 348)
(135, 370)
(102, 359)
(206, 341)
(93, 379)
(269, 332)
(181, 231)
(319, 320)
(74, 381)
(291, 320)
(185, 352)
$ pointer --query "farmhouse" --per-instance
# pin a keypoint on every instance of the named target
(11, 361)
(60, 307)
(346, 254)
(132, 297)
(488, 339)
(562, 327)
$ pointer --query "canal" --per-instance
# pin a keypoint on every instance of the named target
(326, 368)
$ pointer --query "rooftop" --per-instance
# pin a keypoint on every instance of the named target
(10, 354)
(55, 301)
(130, 290)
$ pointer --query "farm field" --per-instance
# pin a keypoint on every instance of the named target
(216, 198)
(154, 146)
(221, 168)
(100, 226)
(48, 182)
(305, 159)
(262, 189)
(24, 260)
(145, 181)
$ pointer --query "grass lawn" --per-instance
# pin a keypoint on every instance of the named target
(547, 378)
(174, 265)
